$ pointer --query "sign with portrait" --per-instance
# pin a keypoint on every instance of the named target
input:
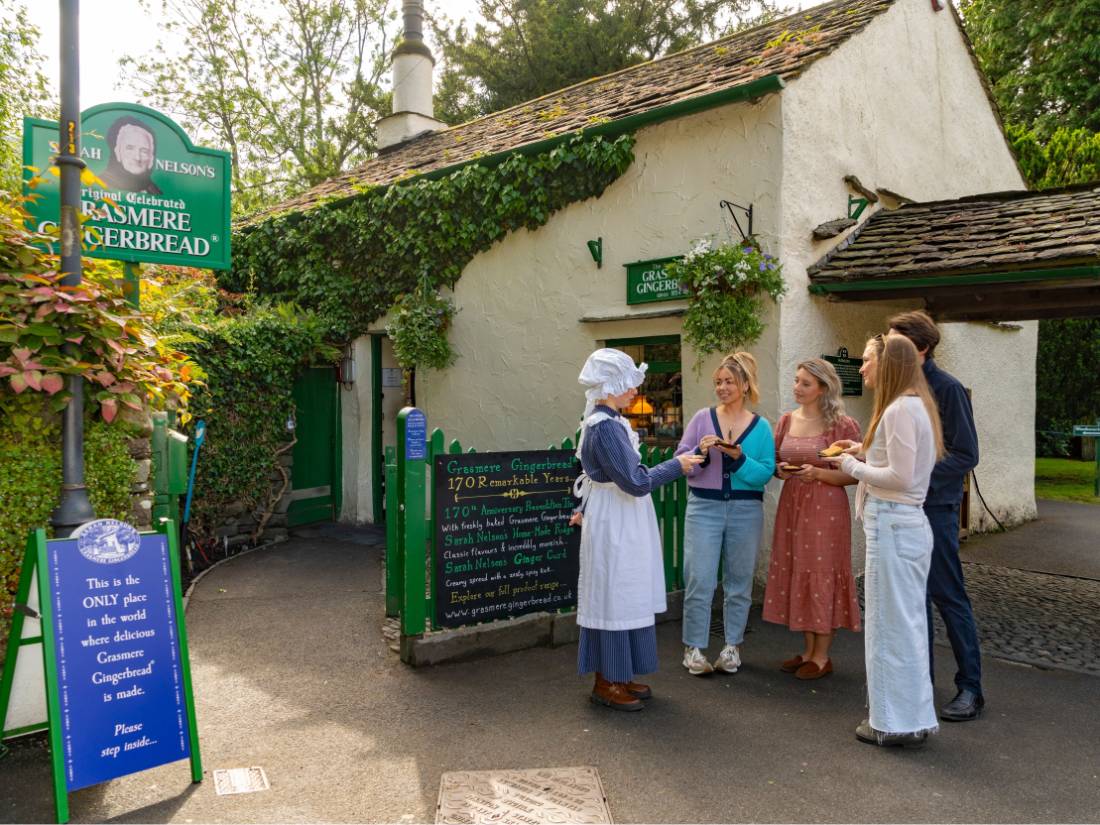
(147, 193)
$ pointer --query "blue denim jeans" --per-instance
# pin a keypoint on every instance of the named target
(726, 533)
(947, 590)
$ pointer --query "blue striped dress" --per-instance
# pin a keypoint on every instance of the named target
(607, 456)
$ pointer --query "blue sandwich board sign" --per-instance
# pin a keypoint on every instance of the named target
(108, 622)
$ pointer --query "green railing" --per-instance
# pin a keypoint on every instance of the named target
(411, 534)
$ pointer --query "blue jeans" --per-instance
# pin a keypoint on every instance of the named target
(726, 532)
(947, 590)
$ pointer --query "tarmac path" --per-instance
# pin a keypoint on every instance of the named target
(292, 673)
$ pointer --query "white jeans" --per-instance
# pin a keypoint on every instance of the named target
(899, 551)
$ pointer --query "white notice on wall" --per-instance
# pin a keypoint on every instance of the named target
(391, 376)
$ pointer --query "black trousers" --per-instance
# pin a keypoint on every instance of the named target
(947, 590)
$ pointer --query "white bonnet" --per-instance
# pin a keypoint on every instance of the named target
(610, 372)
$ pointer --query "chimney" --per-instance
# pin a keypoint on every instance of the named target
(412, 84)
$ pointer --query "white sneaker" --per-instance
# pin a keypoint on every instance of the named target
(728, 660)
(696, 662)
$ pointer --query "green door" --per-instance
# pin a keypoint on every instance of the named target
(315, 478)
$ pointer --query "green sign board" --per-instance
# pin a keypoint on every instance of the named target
(647, 282)
(851, 381)
(148, 194)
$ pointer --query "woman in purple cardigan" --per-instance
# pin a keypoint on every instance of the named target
(725, 511)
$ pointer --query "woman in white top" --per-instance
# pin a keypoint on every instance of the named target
(905, 442)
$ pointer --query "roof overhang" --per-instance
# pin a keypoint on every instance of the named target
(1018, 295)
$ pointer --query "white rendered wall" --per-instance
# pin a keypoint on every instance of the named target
(901, 107)
(517, 334)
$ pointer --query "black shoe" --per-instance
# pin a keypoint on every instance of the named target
(965, 706)
(865, 733)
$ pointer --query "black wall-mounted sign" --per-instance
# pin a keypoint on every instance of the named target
(851, 381)
(504, 546)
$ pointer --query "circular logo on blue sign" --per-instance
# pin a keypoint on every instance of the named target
(107, 540)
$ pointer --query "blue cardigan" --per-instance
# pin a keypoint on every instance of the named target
(747, 476)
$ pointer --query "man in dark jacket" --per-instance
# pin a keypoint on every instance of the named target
(946, 587)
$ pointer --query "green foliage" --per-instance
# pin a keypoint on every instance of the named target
(251, 361)
(728, 284)
(23, 89)
(350, 261)
(418, 328)
(1069, 156)
(1042, 59)
(1067, 364)
(1065, 480)
(529, 48)
(49, 331)
(30, 479)
(291, 88)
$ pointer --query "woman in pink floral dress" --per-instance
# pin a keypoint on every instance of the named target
(810, 585)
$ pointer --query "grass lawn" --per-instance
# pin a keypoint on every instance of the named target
(1065, 479)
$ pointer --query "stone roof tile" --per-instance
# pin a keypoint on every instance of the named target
(784, 48)
(971, 235)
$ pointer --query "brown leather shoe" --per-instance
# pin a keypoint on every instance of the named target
(791, 665)
(635, 689)
(810, 670)
(614, 695)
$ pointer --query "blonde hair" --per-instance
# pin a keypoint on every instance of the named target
(742, 366)
(832, 407)
(899, 370)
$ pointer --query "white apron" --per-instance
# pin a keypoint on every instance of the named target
(622, 577)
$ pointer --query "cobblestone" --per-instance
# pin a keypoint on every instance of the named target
(1035, 618)
(1043, 620)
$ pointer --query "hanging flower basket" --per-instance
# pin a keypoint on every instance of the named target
(727, 285)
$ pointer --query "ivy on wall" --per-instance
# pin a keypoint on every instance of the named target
(30, 479)
(352, 260)
(251, 361)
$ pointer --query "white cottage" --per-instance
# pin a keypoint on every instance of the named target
(801, 118)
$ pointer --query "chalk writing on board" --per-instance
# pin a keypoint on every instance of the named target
(504, 546)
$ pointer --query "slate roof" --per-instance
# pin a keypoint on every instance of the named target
(784, 47)
(998, 232)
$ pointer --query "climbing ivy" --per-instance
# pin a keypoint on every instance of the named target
(30, 479)
(352, 260)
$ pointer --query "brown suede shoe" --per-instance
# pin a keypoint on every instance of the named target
(791, 665)
(810, 670)
(615, 696)
(638, 690)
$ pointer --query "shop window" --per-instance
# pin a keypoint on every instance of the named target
(657, 414)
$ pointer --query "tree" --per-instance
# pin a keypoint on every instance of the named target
(527, 48)
(291, 88)
(1042, 58)
(23, 88)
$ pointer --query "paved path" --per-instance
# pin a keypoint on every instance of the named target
(293, 674)
(1063, 541)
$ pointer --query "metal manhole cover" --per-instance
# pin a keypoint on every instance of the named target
(528, 797)
(240, 780)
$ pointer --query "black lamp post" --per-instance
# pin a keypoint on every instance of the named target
(75, 507)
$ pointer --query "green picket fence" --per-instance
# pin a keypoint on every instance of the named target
(410, 524)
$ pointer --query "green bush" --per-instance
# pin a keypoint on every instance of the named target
(30, 482)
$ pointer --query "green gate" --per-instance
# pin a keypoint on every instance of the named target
(315, 478)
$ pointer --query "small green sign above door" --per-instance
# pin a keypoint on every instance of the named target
(149, 195)
(647, 282)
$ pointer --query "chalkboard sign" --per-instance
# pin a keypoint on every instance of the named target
(115, 671)
(851, 382)
(504, 546)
